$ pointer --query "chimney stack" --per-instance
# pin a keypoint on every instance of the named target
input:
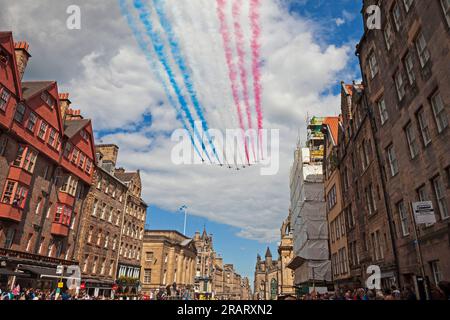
(22, 56)
(64, 104)
(72, 114)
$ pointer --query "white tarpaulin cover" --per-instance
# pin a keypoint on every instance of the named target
(309, 222)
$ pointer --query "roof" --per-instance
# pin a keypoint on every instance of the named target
(268, 253)
(72, 127)
(31, 88)
(125, 176)
(333, 125)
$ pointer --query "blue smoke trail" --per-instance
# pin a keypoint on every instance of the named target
(143, 44)
(158, 46)
(178, 57)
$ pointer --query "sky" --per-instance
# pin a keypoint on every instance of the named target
(307, 48)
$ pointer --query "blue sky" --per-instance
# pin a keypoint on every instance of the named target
(234, 249)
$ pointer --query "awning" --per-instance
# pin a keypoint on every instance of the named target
(7, 272)
(43, 272)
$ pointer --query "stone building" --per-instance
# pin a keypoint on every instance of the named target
(168, 258)
(406, 80)
(363, 198)
(336, 216)
(285, 256)
(246, 289)
(267, 277)
(98, 245)
(133, 224)
(46, 168)
(204, 264)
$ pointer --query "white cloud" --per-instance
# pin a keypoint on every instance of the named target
(110, 80)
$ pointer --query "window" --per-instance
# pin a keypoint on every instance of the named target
(331, 197)
(94, 265)
(393, 163)
(111, 268)
(147, 276)
(423, 125)
(103, 267)
(373, 65)
(90, 233)
(437, 274)
(99, 237)
(384, 115)
(14, 194)
(84, 135)
(422, 193)
(149, 256)
(412, 140)
(88, 166)
(422, 49)
(377, 246)
(32, 119)
(114, 245)
(75, 154)
(4, 98)
(396, 15)
(47, 98)
(439, 112)
(106, 240)
(20, 113)
(9, 238)
(350, 217)
(441, 198)
(94, 210)
(388, 35)
(400, 85)
(408, 4)
(446, 8)
(370, 199)
(82, 160)
(70, 185)
(39, 205)
(42, 130)
(25, 159)
(85, 262)
(63, 214)
(409, 67)
(52, 137)
(404, 220)
(29, 242)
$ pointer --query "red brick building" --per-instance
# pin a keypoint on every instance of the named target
(405, 69)
(46, 168)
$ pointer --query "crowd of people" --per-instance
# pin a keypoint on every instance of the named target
(440, 292)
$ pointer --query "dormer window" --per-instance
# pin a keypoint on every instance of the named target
(84, 135)
(4, 98)
(47, 98)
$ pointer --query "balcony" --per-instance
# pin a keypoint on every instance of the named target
(59, 230)
(20, 175)
(66, 199)
(10, 212)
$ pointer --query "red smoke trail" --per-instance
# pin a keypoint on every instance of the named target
(256, 47)
(231, 68)
(239, 37)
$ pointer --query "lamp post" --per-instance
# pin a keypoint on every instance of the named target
(184, 208)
